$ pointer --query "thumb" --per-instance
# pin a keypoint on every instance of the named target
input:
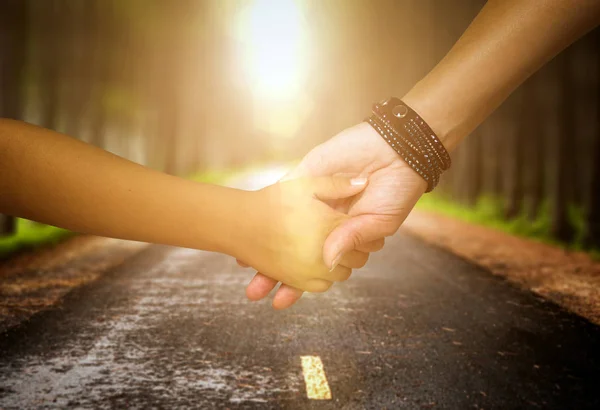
(293, 174)
(338, 187)
(357, 231)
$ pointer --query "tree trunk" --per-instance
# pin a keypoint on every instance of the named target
(76, 64)
(513, 156)
(50, 55)
(592, 233)
(492, 144)
(531, 140)
(476, 167)
(8, 225)
(13, 55)
(98, 60)
(561, 227)
(592, 226)
(469, 167)
(14, 25)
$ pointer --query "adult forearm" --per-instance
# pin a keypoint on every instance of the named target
(507, 42)
(51, 178)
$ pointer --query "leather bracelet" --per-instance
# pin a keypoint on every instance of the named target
(400, 114)
(410, 136)
(408, 155)
(416, 145)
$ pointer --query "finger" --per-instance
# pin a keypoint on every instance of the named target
(294, 173)
(339, 274)
(309, 166)
(324, 160)
(242, 263)
(319, 285)
(286, 296)
(328, 188)
(372, 246)
(259, 287)
(355, 232)
(354, 259)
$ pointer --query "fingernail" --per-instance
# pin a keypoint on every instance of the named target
(335, 262)
(358, 181)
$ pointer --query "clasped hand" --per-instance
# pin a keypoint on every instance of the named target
(291, 223)
(330, 227)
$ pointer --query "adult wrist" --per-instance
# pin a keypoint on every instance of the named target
(409, 135)
(434, 110)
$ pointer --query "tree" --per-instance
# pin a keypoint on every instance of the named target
(512, 167)
(531, 142)
(14, 21)
(592, 232)
(562, 182)
(49, 26)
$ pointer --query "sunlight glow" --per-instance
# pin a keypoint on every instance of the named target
(274, 48)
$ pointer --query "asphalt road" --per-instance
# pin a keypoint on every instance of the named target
(416, 328)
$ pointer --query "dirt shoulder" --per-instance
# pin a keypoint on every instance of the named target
(33, 281)
(571, 279)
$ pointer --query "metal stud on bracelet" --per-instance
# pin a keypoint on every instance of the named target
(412, 117)
(425, 159)
(400, 111)
(403, 152)
(410, 136)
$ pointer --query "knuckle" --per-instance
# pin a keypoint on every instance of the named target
(314, 159)
(345, 275)
(387, 229)
(318, 286)
(357, 239)
(364, 260)
(375, 245)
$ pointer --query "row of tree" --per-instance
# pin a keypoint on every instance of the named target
(160, 82)
(106, 71)
(13, 35)
(539, 153)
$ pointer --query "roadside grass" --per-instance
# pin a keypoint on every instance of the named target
(30, 235)
(488, 211)
(214, 176)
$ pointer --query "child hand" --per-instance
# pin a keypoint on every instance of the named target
(286, 227)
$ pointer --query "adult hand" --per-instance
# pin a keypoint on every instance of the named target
(294, 223)
(377, 212)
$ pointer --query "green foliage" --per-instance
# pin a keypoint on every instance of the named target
(489, 211)
(30, 235)
(222, 175)
(213, 176)
(577, 218)
(119, 101)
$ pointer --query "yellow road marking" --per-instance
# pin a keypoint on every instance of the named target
(317, 387)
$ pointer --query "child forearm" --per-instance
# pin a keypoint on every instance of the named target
(51, 178)
(54, 179)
